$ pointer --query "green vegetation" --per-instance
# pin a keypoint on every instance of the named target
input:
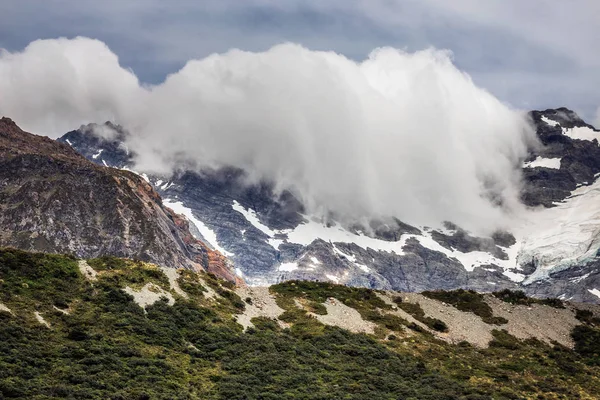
(519, 297)
(587, 317)
(587, 337)
(587, 343)
(107, 347)
(361, 299)
(469, 301)
(138, 272)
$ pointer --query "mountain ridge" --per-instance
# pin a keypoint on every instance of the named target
(267, 236)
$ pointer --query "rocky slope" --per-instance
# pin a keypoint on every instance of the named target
(54, 200)
(270, 239)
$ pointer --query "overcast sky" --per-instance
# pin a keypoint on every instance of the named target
(531, 54)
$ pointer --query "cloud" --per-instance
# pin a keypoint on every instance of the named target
(55, 85)
(533, 54)
(397, 134)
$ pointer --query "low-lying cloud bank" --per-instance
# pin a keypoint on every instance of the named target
(402, 134)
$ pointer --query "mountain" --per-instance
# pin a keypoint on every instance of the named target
(112, 328)
(54, 200)
(270, 238)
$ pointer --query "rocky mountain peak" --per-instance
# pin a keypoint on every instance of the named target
(5, 122)
(565, 117)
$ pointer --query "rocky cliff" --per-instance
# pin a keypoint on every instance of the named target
(54, 200)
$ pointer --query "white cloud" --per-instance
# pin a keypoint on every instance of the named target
(53, 86)
(403, 134)
(533, 54)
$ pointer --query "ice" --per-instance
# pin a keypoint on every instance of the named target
(288, 267)
(555, 238)
(275, 243)
(581, 133)
(595, 292)
(513, 276)
(251, 217)
(577, 132)
(104, 162)
(312, 230)
(209, 235)
(69, 142)
(98, 154)
(548, 121)
(553, 163)
(363, 267)
(580, 278)
(306, 233)
(550, 238)
(350, 257)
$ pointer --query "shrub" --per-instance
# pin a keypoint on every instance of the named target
(587, 343)
(505, 340)
(519, 297)
(587, 317)
(417, 312)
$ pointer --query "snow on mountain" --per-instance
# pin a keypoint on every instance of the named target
(206, 233)
(553, 163)
(551, 252)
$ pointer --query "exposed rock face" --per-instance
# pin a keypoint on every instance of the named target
(579, 159)
(54, 200)
(270, 239)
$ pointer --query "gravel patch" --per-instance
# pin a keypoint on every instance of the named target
(173, 274)
(88, 272)
(41, 319)
(462, 326)
(401, 313)
(342, 316)
(66, 312)
(209, 293)
(538, 321)
(4, 308)
(263, 305)
(149, 295)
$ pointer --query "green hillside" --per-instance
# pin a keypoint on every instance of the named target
(99, 344)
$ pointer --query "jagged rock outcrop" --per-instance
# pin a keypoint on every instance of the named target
(54, 200)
